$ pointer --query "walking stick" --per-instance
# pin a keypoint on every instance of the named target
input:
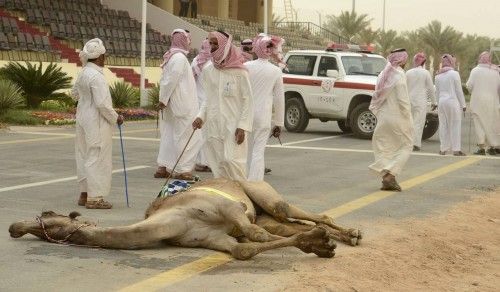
(470, 126)
(178, 159)
(124, 168)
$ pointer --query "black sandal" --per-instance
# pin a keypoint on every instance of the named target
(390, 186)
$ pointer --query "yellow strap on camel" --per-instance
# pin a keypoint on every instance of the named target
(216, 192)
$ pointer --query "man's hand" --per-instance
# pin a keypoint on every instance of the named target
(464, 109)
(161, 106)
(239, 135)
(434, 106)
(119, 120)
(198, 123)
(276, 131)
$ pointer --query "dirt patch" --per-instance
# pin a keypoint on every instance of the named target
(459, 251)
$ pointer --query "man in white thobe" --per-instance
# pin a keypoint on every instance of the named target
(420, 88)
(95, 119)
(450, 108)
(393, 136)
(202, 60)
(484, 85)
(227, 112)
(178, 107)
(267, 88)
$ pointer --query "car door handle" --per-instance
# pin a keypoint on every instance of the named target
(316, 82)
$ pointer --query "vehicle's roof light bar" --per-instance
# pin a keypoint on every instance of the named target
(333, 47)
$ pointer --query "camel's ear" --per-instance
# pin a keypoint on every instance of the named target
(74, 214)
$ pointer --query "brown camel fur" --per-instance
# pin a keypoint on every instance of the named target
(241, 218)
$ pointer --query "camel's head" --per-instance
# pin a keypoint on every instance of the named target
(55, 225)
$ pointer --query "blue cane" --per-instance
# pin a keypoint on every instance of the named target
(124, 168)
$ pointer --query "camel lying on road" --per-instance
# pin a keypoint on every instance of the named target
(241, 218)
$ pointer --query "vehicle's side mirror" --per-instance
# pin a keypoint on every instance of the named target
(332, 73)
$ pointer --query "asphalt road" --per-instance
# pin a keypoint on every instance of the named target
(322, 170)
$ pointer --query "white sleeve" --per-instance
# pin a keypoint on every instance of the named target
(246, 115)
(279, 101)
(203, 107)
(470, 81)
(102, 99)
(172, 72)
(458, 90)
(430, 87)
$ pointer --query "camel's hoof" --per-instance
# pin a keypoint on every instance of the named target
(318, 241)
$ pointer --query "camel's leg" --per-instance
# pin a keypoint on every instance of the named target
(318, 241)
(235, 213)
(290, 228)
(285, 228)
(264, 195)
(147, 233)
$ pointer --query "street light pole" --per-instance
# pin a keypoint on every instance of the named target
(143, 101)
(265, 17)
(319, 15)
(383, 18)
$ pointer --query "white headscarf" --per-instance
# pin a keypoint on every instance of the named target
(92, 50)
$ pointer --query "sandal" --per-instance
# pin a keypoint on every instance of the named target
(98, 204)
(184, 176)
(459, 153)
(161, 172)
(391, 185)
(442, 152)
(202, 168)
(83, 199)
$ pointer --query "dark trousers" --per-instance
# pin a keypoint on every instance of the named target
(184, 9)
(194, 9)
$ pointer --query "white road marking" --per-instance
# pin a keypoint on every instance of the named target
(53, 181)
(370, 151)
(285, 145)
(312, 140)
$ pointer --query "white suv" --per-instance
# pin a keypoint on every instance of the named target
(335, 85)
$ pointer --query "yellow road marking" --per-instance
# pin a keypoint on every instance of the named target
(407, 184)
(217, 259)
(180, 273)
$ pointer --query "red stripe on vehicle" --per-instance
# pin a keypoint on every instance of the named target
(299, 81)
(352, 85)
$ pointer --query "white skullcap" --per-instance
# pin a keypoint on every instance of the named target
(92, 50)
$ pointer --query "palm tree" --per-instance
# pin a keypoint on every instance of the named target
(277, 19)
(473, 46)
(367, 36)
(441, 40)
(37, 84)
(348, 24)
(387, 41)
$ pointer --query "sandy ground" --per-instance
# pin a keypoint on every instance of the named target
(459, 251)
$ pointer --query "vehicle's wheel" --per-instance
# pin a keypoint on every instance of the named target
(362, 121)
(431, 126)
(296, 115)
(344, 126)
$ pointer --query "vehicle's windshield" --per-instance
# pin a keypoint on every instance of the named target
(363, 65)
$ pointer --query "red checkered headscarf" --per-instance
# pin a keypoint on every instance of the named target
(447, 63)
(263, 51)
(227, 55)
(203, 57)
(180, 42)
(387, 79)
(419, 59)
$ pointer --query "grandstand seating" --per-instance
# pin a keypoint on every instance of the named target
(294, 39)
(54, 31)
(73, 22)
